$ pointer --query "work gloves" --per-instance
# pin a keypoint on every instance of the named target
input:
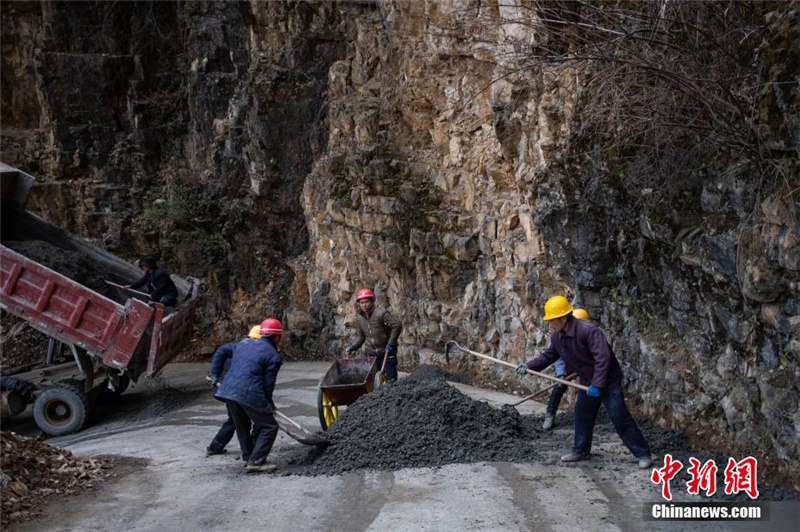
(522, 368)
(593, 391)
(390, 350)
(349, 350)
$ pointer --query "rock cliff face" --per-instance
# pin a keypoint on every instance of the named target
(291, 153)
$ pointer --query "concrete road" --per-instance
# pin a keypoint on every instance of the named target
(166, 424)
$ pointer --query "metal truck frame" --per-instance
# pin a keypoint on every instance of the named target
(109, 342)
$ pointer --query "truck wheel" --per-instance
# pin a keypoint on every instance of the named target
(61, 409)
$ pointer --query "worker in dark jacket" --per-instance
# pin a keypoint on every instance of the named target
(585, 349)
(158, 284)
(562, 372)
(247, 391)
(378, 331)
(220, 363)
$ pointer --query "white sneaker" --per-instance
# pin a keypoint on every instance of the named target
(548, 422)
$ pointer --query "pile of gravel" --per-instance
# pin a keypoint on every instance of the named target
(73, 264)
(420, 421)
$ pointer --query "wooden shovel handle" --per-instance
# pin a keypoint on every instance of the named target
(530, 371)
(540, 392)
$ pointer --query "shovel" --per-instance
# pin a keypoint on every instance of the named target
(129, 289)
(541, 392)
(296, 431)
(510, 365)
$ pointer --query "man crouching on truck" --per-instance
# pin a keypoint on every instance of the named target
(247, 391)
(159, 285)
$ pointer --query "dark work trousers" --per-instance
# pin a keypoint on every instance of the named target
(555, 398)
(391, 365)
(224, 435)
(243, 426)
(265, 430)
(257, 444)
(586, 413)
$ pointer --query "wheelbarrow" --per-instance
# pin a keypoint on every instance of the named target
(345, 381)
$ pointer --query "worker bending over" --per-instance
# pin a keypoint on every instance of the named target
(247, 392)
(220, 363)
(584, 348)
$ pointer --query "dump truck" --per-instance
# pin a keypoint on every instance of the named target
(97, 343)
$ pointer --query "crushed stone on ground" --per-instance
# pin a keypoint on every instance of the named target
(31, 472)
(421, 421)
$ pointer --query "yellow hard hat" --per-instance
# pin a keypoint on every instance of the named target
(255, 332)
(581, 314)
(556, 307)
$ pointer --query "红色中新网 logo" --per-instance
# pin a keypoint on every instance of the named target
(739, 476)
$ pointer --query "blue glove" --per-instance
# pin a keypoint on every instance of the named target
(593, 391)
(522, 368)
(350, 348)
(561, 368)
(390, 349)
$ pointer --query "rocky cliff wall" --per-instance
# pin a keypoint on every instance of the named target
(291, 153)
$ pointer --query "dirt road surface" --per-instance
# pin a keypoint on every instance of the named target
(164, 426)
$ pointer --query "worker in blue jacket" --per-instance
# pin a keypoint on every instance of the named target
(584, 348)
(220, 363)
(247, 391)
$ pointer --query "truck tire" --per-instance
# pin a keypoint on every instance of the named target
(62, 408)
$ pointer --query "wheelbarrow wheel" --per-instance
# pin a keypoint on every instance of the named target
(380, 380)
(328, 412)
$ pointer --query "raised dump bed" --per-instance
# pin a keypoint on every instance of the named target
(99, 338)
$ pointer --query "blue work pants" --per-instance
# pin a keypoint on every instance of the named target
(586, 413)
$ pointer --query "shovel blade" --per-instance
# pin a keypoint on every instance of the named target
(296, 431)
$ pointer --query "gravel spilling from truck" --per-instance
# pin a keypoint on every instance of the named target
(29, 346)
(73, 264)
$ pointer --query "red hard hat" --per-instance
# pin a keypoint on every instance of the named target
(365, 293)
(271, 326)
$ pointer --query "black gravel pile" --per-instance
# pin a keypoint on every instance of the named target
(420, 421)
(428, 372)
(73, 264)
